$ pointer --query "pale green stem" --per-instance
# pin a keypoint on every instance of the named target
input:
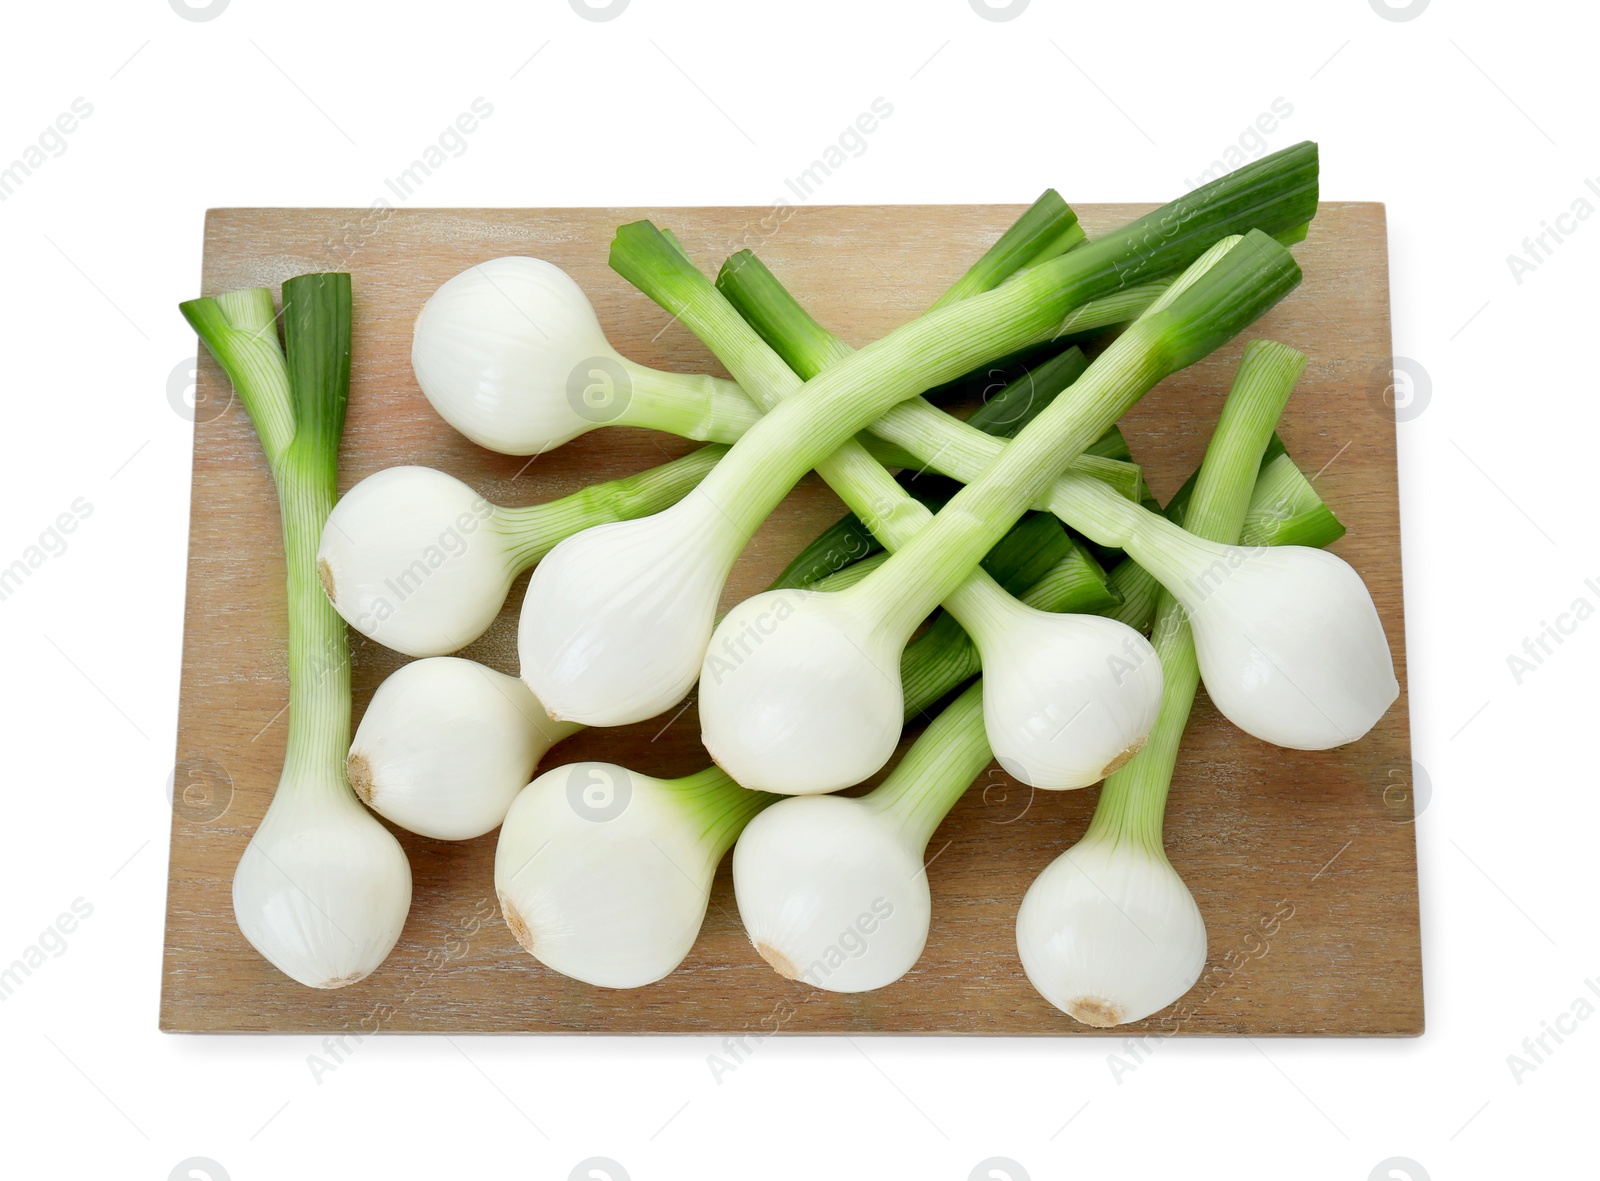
(1133, 800)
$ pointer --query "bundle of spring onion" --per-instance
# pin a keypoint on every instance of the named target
(323, 889)
(604, 872)
(617, 620)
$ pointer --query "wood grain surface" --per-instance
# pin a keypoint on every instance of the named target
(1318, 846)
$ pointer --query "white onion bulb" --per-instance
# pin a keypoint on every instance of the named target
(616, 618)
(446, 745)
(415, 559)
(494, 350)
(323, 889)
(511, 354)
(832, 892)
(800, 692)
(603, 874)
(1109, 933)
(1067, 699)
(1290, 644)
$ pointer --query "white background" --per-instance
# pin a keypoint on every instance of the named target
(1473, 121)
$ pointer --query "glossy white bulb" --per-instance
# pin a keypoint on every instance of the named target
(1109, 934)
(1290, 645)
(603, 874)
(800, 693)
(446, 745)
(1067, 699)
(323, 889)
(832, 892)
(412, 558)
(616, 618)
(509, 351)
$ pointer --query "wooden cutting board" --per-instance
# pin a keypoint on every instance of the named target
(1316, 848)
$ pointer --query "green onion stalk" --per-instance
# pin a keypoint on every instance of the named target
(1003, 413)
(1061, 665)
(617, 620)
(1109, 933)
(1303, 614)
(1284, 509)
(323, 889)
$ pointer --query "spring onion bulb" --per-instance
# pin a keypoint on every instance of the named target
(511, 354)
(603, 874)
(794, 696)
(1109, 933)
(617, 619)
(418, 561)
(1291, 646)
(446, 745)
(323, 889)
(832, 890)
